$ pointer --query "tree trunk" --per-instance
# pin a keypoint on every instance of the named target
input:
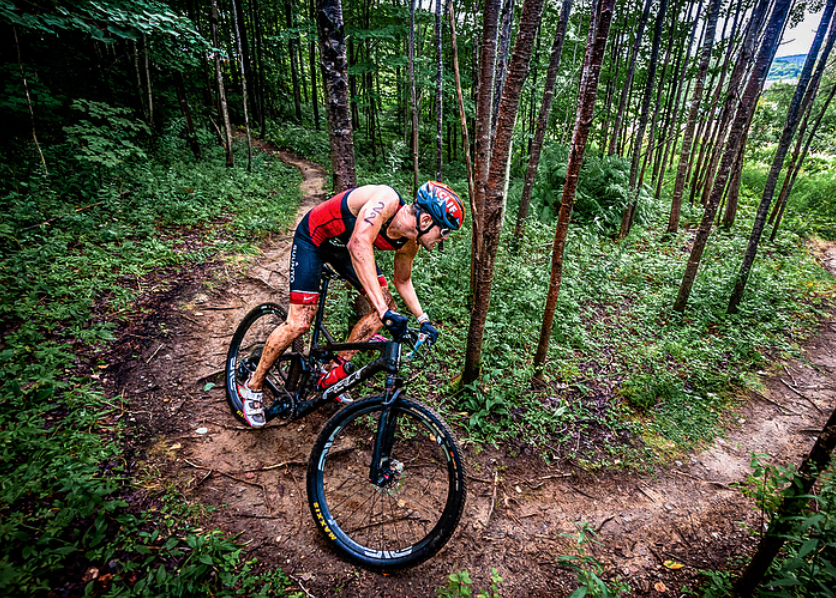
(329, 20)
(148, 82)
(542, 121)
(627, 216)
(29, 101)
(780, 154)
(236, 12)
(187, 113)
(586, 106)
(693, 115)
(292, 44)
(507, 22)
(414, 96)
(213, 22)
(793, 504)
(628, 80)
(788, 187)
(312, 58)
(438, 89)
(494, 188)
(482, 133)
(462, 114)
(746, 105)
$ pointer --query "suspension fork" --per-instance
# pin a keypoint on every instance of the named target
(380, 472)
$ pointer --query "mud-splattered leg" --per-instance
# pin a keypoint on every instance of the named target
(299, 318)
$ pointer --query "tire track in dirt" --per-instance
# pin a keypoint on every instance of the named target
(688, 513)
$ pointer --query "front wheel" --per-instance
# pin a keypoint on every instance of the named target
(410, 517)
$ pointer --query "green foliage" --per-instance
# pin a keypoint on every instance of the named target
(459, 585)
(602, 195)
(588, 570)
(109, 138)
(63, 473)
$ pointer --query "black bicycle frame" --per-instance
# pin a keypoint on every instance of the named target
(389, 361)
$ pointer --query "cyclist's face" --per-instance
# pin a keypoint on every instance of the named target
(433, 237)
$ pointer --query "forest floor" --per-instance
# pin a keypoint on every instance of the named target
(688, 513)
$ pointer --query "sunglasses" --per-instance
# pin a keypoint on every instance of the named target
(445, 232)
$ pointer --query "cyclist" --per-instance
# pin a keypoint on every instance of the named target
(343, 231)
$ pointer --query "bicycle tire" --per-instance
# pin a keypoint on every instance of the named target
(246, 344)
(430, 502)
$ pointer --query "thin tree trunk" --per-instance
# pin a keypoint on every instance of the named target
(236, 12)
(628, 81)
(507, 21)
(785, 193)
(586, 106)
(139, 88)
(414, 96)
(312, 57)
(438, 89)
(462, 116)
(627, 216)
(187, 113)
(780, 154)
(335, 83)
(148, 82)
(482, 133)
(213, 21)
(542, 121)
(794, 502)
(29, 102)
(688, 138)
(294, 62)
(494, 195)
(746, 105)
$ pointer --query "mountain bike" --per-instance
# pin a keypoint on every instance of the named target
(386, 481)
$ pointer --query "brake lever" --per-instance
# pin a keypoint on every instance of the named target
(422, 338)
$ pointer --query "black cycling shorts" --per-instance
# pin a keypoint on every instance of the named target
(306, 261)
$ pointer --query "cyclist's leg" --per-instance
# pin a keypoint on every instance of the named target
(304, 274)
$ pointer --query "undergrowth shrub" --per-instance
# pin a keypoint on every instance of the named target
(68, 242)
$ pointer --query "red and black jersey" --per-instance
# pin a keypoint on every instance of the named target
(333, 222)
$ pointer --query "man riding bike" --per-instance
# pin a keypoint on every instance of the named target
(343, 232)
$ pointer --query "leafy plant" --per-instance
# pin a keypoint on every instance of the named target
(459, 585)
(588, 570)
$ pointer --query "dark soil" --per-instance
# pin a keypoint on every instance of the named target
(518, 507)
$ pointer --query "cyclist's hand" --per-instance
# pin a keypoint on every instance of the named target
(395, 323)
(430, 331)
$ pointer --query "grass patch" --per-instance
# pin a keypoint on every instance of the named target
(66, 275)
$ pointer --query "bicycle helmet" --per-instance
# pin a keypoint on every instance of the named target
(442, 204)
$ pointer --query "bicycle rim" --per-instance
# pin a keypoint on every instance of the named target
(410, 518)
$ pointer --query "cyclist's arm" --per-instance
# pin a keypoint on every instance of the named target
(402, 278)
(381, 206)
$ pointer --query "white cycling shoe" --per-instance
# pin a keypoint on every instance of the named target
(253, 405)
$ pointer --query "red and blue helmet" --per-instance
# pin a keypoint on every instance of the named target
(442, 204)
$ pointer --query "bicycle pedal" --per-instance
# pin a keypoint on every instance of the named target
(344, 399)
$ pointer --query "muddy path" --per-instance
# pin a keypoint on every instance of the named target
(513, 521)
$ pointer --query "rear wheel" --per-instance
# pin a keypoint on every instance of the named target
(407, 519)
(245, 353)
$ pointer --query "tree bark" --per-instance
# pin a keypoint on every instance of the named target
(29, 101)
(438, 91)
(586, 106)
(148, 82)
(780, 154)
(312, 58)
(292, 44)
(630, 210)
(746, 105)
(213, 21)
(494, 188)
(187, 113)
(628, 80)
(693, 114)
(329, 20)
(235, 13)
(793, 504)
(462, 114)
(507, 22)
(414, 96)
(542, 121)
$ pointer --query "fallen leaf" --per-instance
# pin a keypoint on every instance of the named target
(209, 386)
(175, 446)
(673, 565)
(660, 587)
(249, 475)
(89, 575)
(306, 577)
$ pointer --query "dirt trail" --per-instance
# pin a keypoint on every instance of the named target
(688, 513)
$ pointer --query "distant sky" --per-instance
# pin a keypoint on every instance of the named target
(799, 39)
